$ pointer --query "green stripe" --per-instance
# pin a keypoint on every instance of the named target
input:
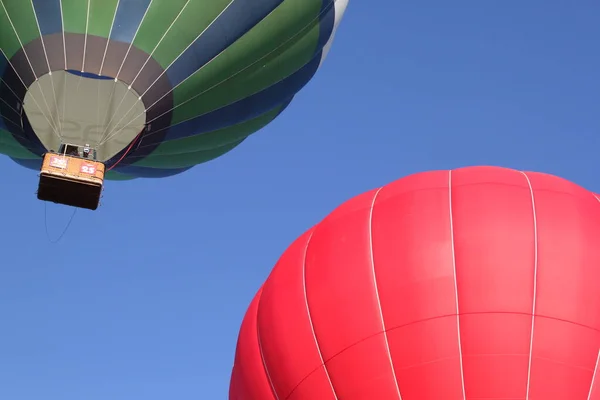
(8, 39)
(23, 17)
(270, 70)
(102, 13)
(201, 148)
(191, 23)
(117, 176)
(155, 24)
(74, 15)
(12, 148)
(278, 28)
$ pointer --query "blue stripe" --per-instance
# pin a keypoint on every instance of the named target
(248, 108)
(236, 20)
(129, 16)
(48, 15)
(145, 172)
(326, 22)
(89, 75)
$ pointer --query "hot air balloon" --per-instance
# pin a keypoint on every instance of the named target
(148, 88)
(476, 283)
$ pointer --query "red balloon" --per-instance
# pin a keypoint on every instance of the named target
(476, 283)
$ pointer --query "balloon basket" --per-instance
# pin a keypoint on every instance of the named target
(71, 180)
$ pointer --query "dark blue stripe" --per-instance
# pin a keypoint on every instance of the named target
(140, 172)
(235, 21)
(3, 63)
(3, 124)
(34, 164)
(145, 172)
(128, 18)
(134, 157)
(326, 22)
(248, 108)
(10, 117)
(7, 113)
(48, 15)
(89, 75)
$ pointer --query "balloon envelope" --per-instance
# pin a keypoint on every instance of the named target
(476, 283)
(157, 86)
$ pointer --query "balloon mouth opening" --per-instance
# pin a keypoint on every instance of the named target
(83, 108)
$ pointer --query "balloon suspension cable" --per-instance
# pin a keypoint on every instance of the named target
(64, 230)
(133, 142)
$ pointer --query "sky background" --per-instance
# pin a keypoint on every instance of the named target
(143, 298)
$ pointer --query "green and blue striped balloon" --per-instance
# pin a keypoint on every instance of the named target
(156, 86)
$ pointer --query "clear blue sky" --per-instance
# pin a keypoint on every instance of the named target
(128, 306)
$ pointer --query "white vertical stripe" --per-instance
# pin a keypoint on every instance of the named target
(376, 289)
(62, 22)
(594, 377)
(460, 353)
(37, 22)
(262, 357)
(535, 271)
(598, 357)
(312, 327)
(112, 25)
(87, 25)
(64, 91)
